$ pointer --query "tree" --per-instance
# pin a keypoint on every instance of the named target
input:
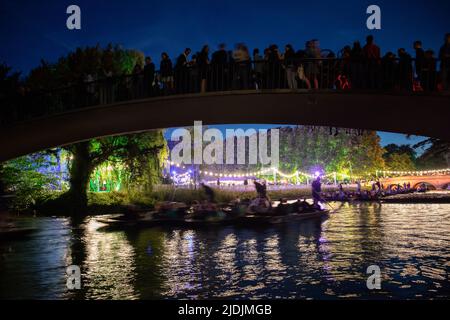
(400, 162)
(9, 87)
(95, 61)
(367, 154)
(9, 82)
(10, 91)
(307, 148)
(137, 151)
(437, 154)
(400, 149)
(71, 69)
(25, 177)
(399, 157)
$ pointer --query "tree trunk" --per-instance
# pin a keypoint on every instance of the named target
(80, 172)
(2, 184)
(3, 205)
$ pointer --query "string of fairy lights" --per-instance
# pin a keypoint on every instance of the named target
(414, 173)
(297, 173)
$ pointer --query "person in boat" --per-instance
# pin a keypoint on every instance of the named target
(210, 194)
(342, 196)
(422, 188)
(261, 189)
(196, 206)
(303, 206)
(378, 184)
(283, 207)
(132, 212)
(262, 203)
(168, 209)
(236, 201)
(210, 203)
(374, 187)
(316, 188)
(364, 195)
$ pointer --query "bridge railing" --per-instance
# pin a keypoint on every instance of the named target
(325, 74)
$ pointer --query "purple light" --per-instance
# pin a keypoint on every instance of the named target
(317, 174)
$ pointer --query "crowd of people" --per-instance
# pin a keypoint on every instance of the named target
(262, 204)
(377, 192)
(354, 67)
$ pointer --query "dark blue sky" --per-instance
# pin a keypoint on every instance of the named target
(32, 30)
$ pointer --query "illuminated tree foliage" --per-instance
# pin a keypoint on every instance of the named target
(27, 178)
(399, 157)
(400, 162)
(95, 61)
(141, 155)
(307, 149)
(137, 152)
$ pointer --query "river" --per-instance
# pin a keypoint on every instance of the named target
(325, 259)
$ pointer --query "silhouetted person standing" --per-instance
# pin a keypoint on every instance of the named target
(149, 76)
(203, 62)
(316, 188)
(405, 72)
(356, 65)
(389, 71)
(166, 72)
(258, 68)
(274, 72)
(420, 56)
(241, 58)
(429, 73)
(181, 72)
(219, 66)
(372, 57)
(290, 66)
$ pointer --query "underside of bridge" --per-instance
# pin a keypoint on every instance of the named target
(409, 114)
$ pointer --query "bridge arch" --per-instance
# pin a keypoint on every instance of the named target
(383, 112)
(429, 185)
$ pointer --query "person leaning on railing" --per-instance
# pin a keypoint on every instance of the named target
(290, 66)
(219, 69)
(428, 72)
(149, 76)
(202, 63)
(181, 72)
(166, 73)
(258, 69)
(241, 58)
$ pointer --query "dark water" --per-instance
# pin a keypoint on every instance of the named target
(324, 259)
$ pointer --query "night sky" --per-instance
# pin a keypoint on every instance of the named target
(35, 30)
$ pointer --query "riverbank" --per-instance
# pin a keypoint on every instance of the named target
(100, 203)
(442, 196)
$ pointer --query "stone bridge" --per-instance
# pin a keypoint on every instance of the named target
(432, 181)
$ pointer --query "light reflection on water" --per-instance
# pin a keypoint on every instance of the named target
(324, 259)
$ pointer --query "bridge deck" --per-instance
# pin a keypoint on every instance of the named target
(425, 115)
